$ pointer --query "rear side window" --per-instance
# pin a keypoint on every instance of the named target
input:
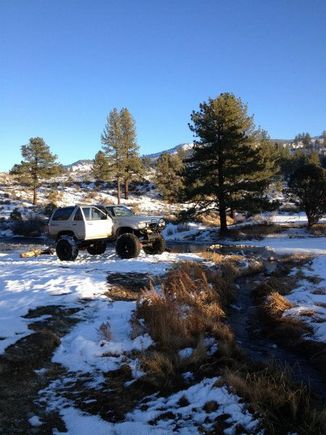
(63, 214)
(78, 215)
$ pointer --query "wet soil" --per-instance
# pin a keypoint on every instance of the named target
(26, 367)
(248, 324)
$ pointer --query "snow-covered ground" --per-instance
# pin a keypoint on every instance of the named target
(29, 283)
(183, 419)
(309, 298)
(285, 244)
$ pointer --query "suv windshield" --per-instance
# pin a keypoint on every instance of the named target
(119, 210)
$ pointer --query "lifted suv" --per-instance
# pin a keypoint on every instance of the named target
(90, 227)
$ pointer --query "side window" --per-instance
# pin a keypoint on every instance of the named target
(97, 214)
(78, 215)
(63, 214)
(87, 213)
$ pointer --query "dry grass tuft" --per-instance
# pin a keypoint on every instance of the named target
(281, 284)
(255, 231)
(282, 404)
(105, 331)
(189, 307)
(276, 304)
(160, 368)
(121, 293)
(212, 219)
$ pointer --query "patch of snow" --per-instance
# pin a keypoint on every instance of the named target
(29, 283)
(185, 417)
(35, 421)
(310, 299)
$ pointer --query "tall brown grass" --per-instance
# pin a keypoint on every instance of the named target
(188, 307)
(284, 406)
(276, 304)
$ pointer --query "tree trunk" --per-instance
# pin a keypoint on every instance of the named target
(119, 190)
(221, 197)
(223, 223)
(34, 196)
(126, 189)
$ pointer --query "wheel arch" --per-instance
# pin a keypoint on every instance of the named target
(66, 233)
(124, 230)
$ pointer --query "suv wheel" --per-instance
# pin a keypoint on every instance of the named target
(156, 247)
(128, 246)
(97, 248)
(67, 249)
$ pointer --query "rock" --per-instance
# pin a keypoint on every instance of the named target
(211, 406)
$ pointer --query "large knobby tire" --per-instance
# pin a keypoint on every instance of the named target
(66, 249)
(97, 248)
(128, 246)
(156, 247)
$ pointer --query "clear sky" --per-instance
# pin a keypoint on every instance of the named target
(66, 63)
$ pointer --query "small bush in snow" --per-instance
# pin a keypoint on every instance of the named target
(16, 215)
(105, 331)
(29, 228)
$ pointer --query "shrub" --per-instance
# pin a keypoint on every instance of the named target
(284, 406)
(189, 307)
(308, 183)
(29, 228)
(16, 215)
(49, 208)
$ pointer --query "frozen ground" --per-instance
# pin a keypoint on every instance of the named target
(87, 349)
(309, 298)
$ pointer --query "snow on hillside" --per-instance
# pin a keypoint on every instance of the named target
(174, 150)
(80, 166)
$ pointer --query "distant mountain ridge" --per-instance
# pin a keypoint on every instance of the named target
(85, 165)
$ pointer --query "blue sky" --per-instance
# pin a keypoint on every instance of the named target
(66, 63)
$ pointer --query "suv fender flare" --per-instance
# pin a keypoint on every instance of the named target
(124, 230)
(66, 233)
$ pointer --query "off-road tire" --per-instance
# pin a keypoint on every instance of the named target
(97, 248)
(156, 247)
(66, 248)
(128, 246)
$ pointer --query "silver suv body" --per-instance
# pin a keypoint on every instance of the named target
(90, 227)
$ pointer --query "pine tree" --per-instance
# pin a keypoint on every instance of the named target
(323, 137)
(308, 183)
(101, 167)
(168, 177)
(228, 168)
(132, 163)
(120, 146)
(38, 164)
(111, 139)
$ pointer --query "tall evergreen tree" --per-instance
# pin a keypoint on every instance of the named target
(132, 163)
(228, 168)
(168, 177)
(101, 167)
(111, 139)
(38, 164)
(119, 143)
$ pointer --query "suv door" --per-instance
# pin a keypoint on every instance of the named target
(78, 224)
(97, 224)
